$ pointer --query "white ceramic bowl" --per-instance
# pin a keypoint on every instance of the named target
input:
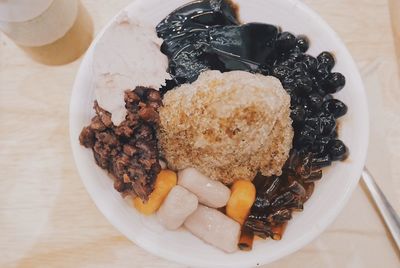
(330, 195)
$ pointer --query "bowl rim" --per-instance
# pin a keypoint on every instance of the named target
(176, 257)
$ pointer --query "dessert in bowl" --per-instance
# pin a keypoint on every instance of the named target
(228, 99)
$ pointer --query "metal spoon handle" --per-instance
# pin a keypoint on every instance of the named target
(389, 215)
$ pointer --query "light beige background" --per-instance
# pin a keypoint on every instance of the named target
(48, 220)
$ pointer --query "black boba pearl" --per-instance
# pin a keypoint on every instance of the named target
(307, 135)
(302, 43)
(337, 150)
(295, 56)
(325, 140)
(299, 70)
(315, 100)
(326, 59)
(298, 114)
(281, 72)
(314, 78)
(334, 82)
(322, 72)
(288, 63)
(335, 107)
(310, 62)
(320, 91)
(313, 122)
(285, 41)
(303, 85)
(317, 86)
(318, 148)
(307, 108)
(328, 125)
(288, 82)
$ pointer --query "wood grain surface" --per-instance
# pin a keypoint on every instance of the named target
(48, 220)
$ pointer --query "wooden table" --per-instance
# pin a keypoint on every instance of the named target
(48, 220)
